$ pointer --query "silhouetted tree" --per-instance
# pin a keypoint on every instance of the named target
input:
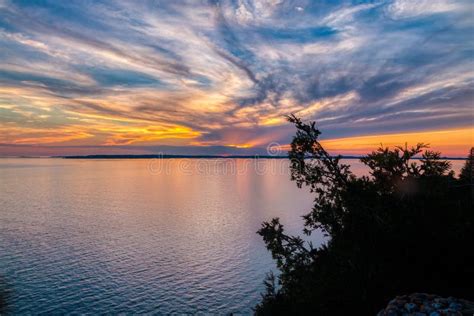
(467, 171)
(408, 227)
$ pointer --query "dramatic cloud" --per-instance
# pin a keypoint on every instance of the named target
(219, 76)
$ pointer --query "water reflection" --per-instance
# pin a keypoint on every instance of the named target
(115, 236)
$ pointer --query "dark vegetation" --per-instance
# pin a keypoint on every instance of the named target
(409, 227)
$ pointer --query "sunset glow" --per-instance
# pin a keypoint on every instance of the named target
(219, 77)
(449, 142)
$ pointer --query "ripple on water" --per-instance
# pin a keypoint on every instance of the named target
(110, 237)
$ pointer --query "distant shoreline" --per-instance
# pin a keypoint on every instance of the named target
(118, 157)
(203, 157)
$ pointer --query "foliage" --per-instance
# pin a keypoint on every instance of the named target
(406, 228)
(467, 171)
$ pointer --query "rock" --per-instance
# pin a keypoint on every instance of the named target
(455, 306)
(437, 305)
(410, 307)
(422, 304)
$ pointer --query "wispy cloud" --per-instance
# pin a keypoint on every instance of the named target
(224, 73)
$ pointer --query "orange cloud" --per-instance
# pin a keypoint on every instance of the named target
(32, 136)
(149, 134)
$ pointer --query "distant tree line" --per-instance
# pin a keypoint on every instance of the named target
(408, 227)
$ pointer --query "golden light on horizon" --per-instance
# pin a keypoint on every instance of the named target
(450, 142)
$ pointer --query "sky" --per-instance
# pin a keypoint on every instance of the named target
(218, 77)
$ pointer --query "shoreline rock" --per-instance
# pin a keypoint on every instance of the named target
(420, 304)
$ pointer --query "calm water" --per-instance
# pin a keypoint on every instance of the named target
(141, 236)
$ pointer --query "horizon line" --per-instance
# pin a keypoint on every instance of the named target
(172, 156)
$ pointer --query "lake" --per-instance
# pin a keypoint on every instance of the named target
(142, 236)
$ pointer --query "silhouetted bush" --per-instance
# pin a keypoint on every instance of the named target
(467, 171)
(406, 228)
